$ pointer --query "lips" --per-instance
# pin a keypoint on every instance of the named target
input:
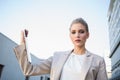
(77, 40)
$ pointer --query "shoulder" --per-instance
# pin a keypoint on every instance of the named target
(96, 57)
(62, 52)
(97, 60)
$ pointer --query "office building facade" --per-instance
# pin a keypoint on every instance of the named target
(114, 36)
(9, 66)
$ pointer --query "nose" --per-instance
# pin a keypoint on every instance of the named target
(77, 35)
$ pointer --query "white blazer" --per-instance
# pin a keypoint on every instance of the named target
(93, 67)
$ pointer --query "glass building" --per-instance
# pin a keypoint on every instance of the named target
(114, 37)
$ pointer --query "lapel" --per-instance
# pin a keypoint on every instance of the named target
(61, 63)
(86, 65)
(62, 60)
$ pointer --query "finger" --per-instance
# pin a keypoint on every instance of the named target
(22, 38)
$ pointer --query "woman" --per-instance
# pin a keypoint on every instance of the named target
(76, 64)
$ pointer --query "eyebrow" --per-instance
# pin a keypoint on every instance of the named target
(75, 30)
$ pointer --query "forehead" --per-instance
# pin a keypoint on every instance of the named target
(77, 26)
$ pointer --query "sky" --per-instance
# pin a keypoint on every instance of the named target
(48, 23)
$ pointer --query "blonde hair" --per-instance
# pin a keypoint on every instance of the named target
(82, 21)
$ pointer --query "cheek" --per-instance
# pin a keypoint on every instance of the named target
(83, 37)
(71, 37)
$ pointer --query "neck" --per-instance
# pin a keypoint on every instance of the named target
(79, 51)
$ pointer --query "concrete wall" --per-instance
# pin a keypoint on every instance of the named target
(12, 70)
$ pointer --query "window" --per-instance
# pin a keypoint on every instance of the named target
(1, 68)
(48, 79)
(41, 78)
(27, 78)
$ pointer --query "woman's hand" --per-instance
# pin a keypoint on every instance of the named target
(23, 34)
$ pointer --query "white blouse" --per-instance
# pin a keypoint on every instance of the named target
(72, 67)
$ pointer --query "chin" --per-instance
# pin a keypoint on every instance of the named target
(78, 45)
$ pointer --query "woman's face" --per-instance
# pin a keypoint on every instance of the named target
(78, 34)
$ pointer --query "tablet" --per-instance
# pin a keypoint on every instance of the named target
(26, 43)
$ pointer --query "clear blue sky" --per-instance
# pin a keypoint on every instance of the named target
(48, 23)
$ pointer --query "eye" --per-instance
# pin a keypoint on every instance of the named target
(73, 32)
(81, 31)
